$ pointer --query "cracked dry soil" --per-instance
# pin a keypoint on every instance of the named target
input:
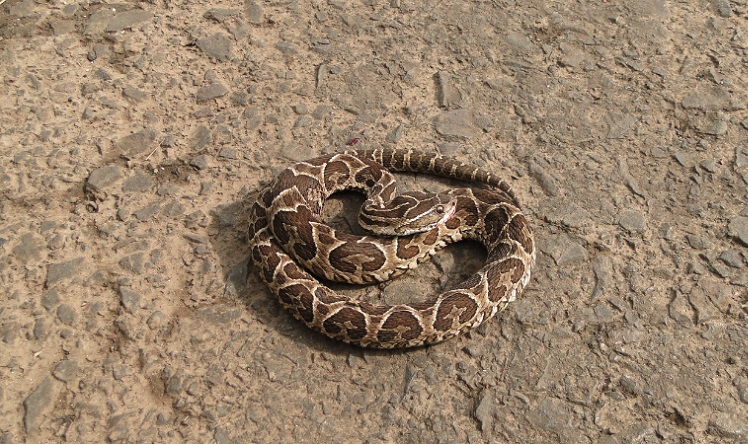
(134, 136)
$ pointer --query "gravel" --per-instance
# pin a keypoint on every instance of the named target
(139, 136)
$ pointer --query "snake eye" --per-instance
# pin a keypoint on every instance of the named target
(440, 209)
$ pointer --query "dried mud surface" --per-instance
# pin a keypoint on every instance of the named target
(134, 136)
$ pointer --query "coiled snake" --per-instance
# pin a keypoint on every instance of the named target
(287, 237)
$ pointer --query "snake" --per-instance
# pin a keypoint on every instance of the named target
(293, 250)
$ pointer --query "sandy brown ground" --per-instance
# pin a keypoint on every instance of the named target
(134, 136)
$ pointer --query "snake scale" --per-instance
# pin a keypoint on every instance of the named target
(287, 238)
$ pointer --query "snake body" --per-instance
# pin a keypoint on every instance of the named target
(287, 238)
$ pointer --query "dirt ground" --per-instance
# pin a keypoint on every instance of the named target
(134, 136)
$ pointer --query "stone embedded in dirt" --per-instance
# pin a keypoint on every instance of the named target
(9, 331)
(296, 152)
(732, 258)
(36, 404)
(41, 329)
(483, 412)
(709, 165)
(741, 156)
(712, 123)
(134, 93)
(724, 8)
(704, 309)
(50, 299)
(147, 212)
(126, 328)
(128, 19)
(217, 46)
(632, 221)
(396, 134)
(459, 124)
(448, 95)
(729, 425)
(97, 51)
(66, 314)
(167, 189)
(254, 12)
(101, 180)
(564, 250)
(22, 9)
(133, 262)
(681, 311)
(217, 315)
(139, 182)
(228, 153)
(135, 143)
(550, 414)
(709, 98)
(738, 228)
(221, 15)
(202, 137)
(200, 162)
(60, 27)
(120, 371)
(156, 320)
(286, 48)
(130, 300)
(564, 212)
(211, 92)
(61, 271)
(698, 242)
(547, 182)
(65, 370)
(30, 247)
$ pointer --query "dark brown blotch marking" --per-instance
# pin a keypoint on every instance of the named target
(374, 310)
(372, 172)
(488, 196)
(266, 198)
(466, 214)
(404, 248)
(500, 251)
(288, 224)
(336, 174)
(323, 309)
(520, 231)
(305, 185)
(269, 260)
(327, 296)
(298, 297)
(514, 267)
(292, 271)
(430, 237)
(350, 256)
(496, 224)
(347, 322)
(497, 293)
(456, 304)
(325, 236)
(400, 324)
(367, 221)
(469, 214)
(471, 283)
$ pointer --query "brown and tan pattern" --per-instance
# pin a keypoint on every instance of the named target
(287, 238)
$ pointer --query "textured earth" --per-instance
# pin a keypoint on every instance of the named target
(134, 137)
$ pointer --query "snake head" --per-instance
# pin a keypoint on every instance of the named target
(408, 213)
